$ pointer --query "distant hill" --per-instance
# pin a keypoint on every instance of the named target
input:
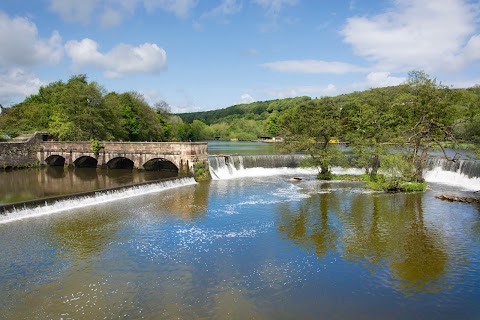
(259, 110)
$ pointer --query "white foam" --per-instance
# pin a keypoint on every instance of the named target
(452, 178)
(103, 197)
(230, 172)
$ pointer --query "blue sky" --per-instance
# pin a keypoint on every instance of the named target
(204, 55)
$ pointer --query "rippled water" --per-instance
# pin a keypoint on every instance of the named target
(247, 248)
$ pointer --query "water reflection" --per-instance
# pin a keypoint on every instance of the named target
(28, 184)
(85, 235)
(381, 232)
(309, 225)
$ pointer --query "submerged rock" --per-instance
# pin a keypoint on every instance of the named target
(458, 199)
(296, 179)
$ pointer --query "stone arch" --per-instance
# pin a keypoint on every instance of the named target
(120, 163)
(55, 160)
(160, 164)
(85, 162)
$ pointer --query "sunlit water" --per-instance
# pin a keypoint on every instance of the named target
(249, 246)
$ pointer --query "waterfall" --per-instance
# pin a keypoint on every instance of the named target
(462, 173)
(230, 167)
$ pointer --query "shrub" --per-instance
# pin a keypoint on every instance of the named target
(201, 171)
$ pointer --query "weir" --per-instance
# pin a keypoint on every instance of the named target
(46, 206)
(462, 173)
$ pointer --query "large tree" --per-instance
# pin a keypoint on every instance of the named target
(309, 128)
(428, 109)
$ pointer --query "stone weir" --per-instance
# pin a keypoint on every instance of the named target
(177, 156)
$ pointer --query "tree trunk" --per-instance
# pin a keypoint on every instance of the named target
(422, 160)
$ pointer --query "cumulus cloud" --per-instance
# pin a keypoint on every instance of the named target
(20, 44)
(112, 12)
(16, 84)
(415, 34)
(312, 66)
(122, 59)
(246, 98)
(382, 79)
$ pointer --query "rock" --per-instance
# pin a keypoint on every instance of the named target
(458, 199)
(294, 179)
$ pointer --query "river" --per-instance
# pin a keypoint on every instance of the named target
(250, 244)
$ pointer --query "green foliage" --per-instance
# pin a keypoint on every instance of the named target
(79, 110)
(260, 109)
(396, 186)
(309, 128)
(96, 146)
(201, 171)
(430, 116)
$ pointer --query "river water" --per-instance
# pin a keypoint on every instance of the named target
(250, 244)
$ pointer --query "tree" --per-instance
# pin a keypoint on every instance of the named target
(368, 123)
(309, 127)
(429, 110)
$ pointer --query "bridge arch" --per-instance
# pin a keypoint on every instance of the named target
(120, 163)
(55, 160)
(160, 164)
(85, 162)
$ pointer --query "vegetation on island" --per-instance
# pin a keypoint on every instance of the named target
(411, 119)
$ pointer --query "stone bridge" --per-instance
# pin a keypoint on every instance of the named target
(176, 156)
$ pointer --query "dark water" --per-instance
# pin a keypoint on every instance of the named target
(251, 245)
(28, 184)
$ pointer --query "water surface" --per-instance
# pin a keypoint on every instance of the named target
(259, 248)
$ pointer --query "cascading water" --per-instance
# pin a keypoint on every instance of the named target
(462, 173)
(100, 197)
(230, 167)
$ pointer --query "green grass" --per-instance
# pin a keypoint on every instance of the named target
(381, 183)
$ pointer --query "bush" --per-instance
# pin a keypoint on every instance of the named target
(201, 171)
(325, 176)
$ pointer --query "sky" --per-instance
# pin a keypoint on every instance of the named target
(199, 55)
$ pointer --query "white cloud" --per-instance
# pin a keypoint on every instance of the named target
(312, 66)
(274, 7)
(273, 10)
(122, 59)
(246, 98)
(16, 84)
(372, 80)
(21, 46)
(225, 8)
(74, 10)
(112, 12)
(312, 91)
(181, 8)
(111, 18)
(383, 79)
(430, 35)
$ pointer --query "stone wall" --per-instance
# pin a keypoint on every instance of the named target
(20, 154)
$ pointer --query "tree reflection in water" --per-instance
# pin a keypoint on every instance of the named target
(379, 231)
